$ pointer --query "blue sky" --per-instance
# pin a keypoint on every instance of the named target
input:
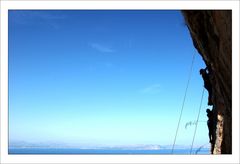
(102, 78)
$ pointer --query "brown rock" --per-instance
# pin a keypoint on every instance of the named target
(211, 32)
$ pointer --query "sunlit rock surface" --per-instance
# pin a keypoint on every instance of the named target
(211, 32)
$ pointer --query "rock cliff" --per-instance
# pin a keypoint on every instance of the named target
(211, 32)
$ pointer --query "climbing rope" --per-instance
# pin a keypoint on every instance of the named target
(180, 117)
(197, 121)
(199, 149)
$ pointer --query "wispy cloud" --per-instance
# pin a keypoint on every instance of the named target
(108, 64)
(102, 48)
(30, 17)
(33, 14)
(152, 89)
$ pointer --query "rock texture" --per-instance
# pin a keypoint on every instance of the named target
(211, 32)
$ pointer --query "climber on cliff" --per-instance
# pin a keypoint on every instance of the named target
(210, 124)
(207, 83)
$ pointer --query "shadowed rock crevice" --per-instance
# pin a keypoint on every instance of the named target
(211, 32)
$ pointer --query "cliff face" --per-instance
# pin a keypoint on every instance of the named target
(211, 32)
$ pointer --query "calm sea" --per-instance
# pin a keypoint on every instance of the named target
(63, 151)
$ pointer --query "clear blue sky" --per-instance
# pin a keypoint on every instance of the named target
(102, 78)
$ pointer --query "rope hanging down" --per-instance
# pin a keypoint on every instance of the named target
(197, 120)
(189, 78)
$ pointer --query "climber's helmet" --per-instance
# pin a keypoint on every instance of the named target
(201, 71)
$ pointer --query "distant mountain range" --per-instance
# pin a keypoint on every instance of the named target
(23, 144)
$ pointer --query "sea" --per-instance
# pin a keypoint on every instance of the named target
(77, 151)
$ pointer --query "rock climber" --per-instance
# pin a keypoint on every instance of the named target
(210, 125)
(207, 83)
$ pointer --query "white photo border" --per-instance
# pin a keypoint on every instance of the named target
(114, 5)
